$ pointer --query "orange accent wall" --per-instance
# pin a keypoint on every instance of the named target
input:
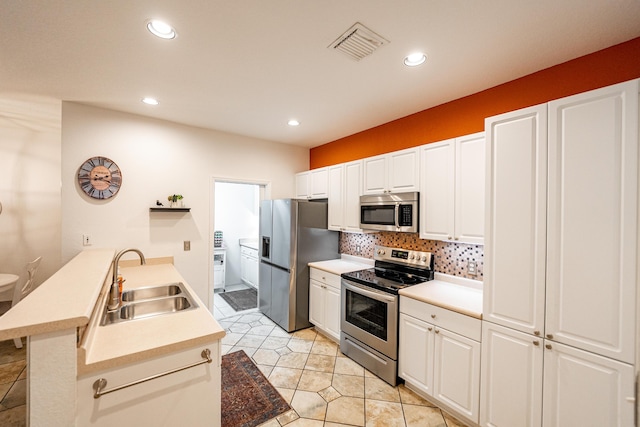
(466, 115)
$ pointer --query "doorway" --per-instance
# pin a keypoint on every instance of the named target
(234, 245)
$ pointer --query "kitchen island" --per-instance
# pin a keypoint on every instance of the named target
(68, 350)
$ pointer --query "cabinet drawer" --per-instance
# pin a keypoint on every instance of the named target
(253, 253)
(330, 279)
(455, 322)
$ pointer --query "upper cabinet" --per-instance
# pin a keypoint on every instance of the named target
(395, 172)
(345, 186)
(313, 184)
(452, 189)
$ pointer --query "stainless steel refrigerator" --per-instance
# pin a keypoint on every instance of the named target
(293, 233)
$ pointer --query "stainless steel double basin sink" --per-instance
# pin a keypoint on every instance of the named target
(150, 301)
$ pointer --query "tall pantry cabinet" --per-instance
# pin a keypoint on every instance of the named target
(561, 259)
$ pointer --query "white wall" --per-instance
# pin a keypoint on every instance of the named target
(30, 223)
(158, 158)
(237, 215)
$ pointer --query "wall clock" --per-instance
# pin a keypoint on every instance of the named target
(99, 177)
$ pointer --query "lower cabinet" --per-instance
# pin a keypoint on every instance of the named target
(324, 302)
(249, 266)
(438, 361)
(528, 381)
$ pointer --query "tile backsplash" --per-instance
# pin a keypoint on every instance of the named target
(450, 257)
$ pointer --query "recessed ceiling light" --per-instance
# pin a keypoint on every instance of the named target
(150, 101)
(293, 122)
(161, 29)
(415, 59)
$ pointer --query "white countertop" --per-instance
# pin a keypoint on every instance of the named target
(453, 293)
(339, 266)
(250, 243)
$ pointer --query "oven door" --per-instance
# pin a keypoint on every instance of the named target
(371, 317)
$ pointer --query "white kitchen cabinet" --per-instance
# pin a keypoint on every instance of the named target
(219, 268)
(511, 372)
(439, 355)
(186, 397)
(592, 254)
(516, 233)
(395, 172)
(324, 302)
(345, 186)
(452, 189)
(312, 184)
(249, 265)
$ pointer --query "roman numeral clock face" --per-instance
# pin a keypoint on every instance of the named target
(99, 177)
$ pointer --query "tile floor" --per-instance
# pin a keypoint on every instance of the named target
(221, 308)
(323, 387)
(13, 384)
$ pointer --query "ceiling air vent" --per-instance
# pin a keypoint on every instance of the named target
(358, 42)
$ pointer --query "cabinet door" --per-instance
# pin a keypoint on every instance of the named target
(470, 182)
(592, 224)
(516, 209)
(415, 353)
(352, 191)
(336, 198)
(332, 312)
(244, 267)
(403, 171)
(319, 181)
(456, 372)
(437, 190)
(584, 389)
(252, 269)
(511, 378)
(375, 175)
(316, 303)
(302, 185)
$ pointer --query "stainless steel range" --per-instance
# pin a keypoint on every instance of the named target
(370, 307)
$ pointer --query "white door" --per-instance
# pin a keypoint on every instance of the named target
(586, 390)
(316, 303)
(516, 218)
(375, 175)
(318, 187)
(302, 185)
(415, 353)
(592, 224)
(470, 182)
(335, 196)
(332, 311)
(437, 190)
(511, 378)
(352, 190)
(456, 372)
(403, 171)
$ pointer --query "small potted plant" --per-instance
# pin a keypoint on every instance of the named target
(175, 200)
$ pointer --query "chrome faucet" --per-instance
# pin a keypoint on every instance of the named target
(114, 293)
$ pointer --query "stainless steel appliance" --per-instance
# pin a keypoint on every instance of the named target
(390, 212)
(293, 234)
(370, 308)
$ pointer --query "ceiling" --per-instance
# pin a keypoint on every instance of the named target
(248, 66)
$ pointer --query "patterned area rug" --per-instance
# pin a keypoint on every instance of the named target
(248, 399)
(241, 300)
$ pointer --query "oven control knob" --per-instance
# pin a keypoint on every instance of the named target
(423, 259)
(412, 256)
(380, 251)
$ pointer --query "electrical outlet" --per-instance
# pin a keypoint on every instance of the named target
(187, 245)
(86, 240)
(472, 268)
(358, 249)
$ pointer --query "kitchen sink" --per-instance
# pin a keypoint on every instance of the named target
(148, 302)
(152, 292)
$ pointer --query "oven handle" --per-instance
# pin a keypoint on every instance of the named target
(371, 294)
(396, 214)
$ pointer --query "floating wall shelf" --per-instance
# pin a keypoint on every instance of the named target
(169, 209)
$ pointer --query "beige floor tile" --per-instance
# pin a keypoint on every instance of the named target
(328, 424)
(299, 345)
(346, 410)
(262, 330)
(265, 357)
(314, 381)
(287, 417)
(309, 405)
(274, 343)
(423, 416)
(319, 362)
(286, 393)
(285, 377)
(452, 421)
(251, 341)
(14, 417)
(329, 394)
(377, 389)
(348, 385)
(326, 348)
(265, 369)
(271, 423)
(306, 334)
(383, 414)
(17, 395)
(293, 360)
(306, 422)
(9, 372)
(348, 367)
(408, 396)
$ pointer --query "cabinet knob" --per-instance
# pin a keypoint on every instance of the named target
(536, 343)
(550, 336)
(437, 331)
(433, 316)
(548, 346)
(430, 328)
(456, 238)
(536, 333)
(449, 237)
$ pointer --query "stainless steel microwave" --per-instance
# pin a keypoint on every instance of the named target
(390, 212)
